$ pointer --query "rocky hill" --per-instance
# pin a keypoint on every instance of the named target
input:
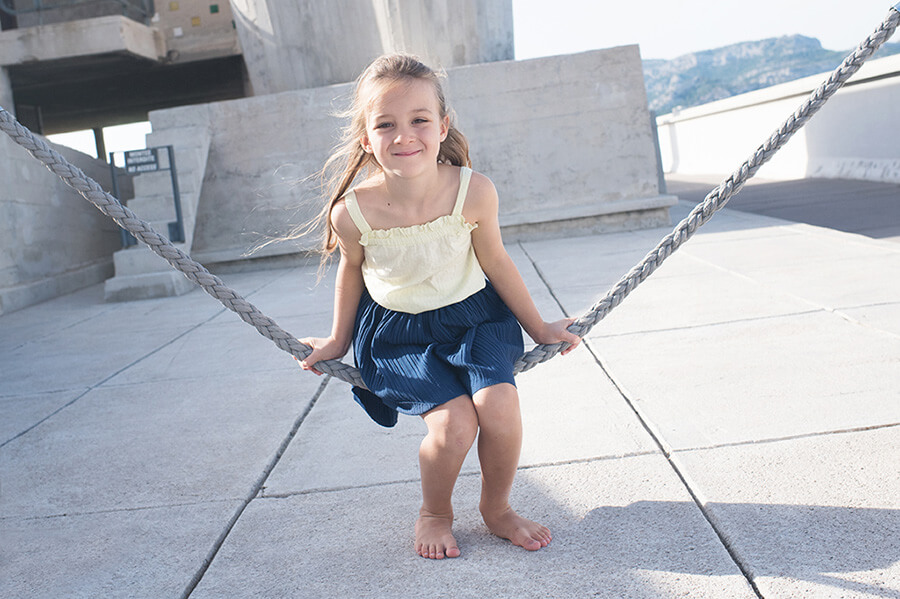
(711, 75)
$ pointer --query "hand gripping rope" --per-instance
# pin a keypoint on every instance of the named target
(214, 286)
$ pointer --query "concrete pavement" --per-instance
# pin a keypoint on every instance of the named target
(731, 430)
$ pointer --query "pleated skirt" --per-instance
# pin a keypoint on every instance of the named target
(412, 363)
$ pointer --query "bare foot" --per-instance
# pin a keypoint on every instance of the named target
(520, 531)
(434, 538)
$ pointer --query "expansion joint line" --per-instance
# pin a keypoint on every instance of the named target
(214, 286)
(660, 443)
(254, 492)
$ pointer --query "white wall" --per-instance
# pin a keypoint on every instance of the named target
(852, 136)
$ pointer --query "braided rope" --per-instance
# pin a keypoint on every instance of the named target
(160, 245)
(214, 286)
(718, 197)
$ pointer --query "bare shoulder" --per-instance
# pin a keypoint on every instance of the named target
(482, 200)
(343, 224)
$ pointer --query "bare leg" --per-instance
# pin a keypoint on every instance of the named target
(451, 431)
(499, 445)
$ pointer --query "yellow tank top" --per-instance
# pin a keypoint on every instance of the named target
(421, 267)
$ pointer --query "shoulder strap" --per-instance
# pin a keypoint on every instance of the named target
(355, 213)
(465, 174)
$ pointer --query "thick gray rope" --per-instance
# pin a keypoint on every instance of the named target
(718, 197)
(214, 286)
(195, 272)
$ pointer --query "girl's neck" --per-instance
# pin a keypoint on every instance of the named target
(413, 191)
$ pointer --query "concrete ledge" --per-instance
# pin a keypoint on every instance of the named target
(567, 213)
(615, 222)
(85, 37)
(22, 296)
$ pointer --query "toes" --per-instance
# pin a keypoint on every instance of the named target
(453, 552)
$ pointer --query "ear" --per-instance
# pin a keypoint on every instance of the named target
(364, 143)
(445, 127)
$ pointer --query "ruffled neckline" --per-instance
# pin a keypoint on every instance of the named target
(442, 226)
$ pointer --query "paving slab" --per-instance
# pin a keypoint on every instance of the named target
(281, 293)
(758, 379)
(21, 412)
(809, 517)
(751, 353)
(843, 283)
(684, 301)
(883, 317)
(145, 553)
(622, 528)
(215, 350)
(81, 356)
(128, 447)
(339, 446)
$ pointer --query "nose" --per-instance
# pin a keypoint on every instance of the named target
(403, 136)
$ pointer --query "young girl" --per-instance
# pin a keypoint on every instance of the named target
(429, 297)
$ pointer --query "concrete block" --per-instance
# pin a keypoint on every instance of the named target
(569, 183)
(182, 138)
(83, 37)
(621, 528)
(140, 259)
(160, 184)
(816, 516)
(145, 286)
(162, 207)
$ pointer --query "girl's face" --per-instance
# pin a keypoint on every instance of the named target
(404, 129)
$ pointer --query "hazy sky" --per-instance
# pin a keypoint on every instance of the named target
(670, 28)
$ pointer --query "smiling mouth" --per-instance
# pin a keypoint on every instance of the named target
(404, 154)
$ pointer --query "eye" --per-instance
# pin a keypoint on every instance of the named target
(383, 125)
(419, 121)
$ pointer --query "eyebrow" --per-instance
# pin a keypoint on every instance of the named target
(417, 110)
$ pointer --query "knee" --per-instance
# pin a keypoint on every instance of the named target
(456, 430)
(498, 406)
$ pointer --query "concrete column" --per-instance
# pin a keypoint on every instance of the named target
(300, 45)
(448, 33)
(6, 95)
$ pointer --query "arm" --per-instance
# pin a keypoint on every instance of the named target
(482, 207)
(347, 291)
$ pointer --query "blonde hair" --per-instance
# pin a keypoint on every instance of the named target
(349, 159)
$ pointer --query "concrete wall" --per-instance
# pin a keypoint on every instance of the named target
(52, 240)
(301, 45)
(852, 136)
(567, 140)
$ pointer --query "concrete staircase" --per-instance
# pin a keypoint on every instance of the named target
(141, 274)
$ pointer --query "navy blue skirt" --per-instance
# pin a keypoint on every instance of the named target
(412, 363)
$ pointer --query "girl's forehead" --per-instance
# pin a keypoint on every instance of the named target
(403, 94)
